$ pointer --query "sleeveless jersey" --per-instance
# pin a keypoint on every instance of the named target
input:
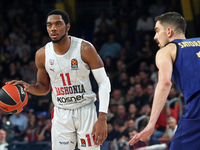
(186, 70)
(69, 76)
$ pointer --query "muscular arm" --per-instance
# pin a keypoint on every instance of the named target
(164, 61)
(42, 85)
(90, 56)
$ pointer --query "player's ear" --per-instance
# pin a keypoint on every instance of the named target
(67, 27)
(170, 32)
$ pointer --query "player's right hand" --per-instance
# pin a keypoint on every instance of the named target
(20, 82)
(147, 132)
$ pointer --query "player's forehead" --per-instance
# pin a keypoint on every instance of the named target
(158, 26)
(54, 18)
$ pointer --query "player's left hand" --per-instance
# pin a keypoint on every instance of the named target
(100, 131)
(147, 132)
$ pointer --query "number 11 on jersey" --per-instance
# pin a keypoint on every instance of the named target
(63, 79)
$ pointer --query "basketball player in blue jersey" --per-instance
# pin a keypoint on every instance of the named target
(179, 59)
(64, 64)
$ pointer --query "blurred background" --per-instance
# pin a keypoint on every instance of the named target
(122, 32)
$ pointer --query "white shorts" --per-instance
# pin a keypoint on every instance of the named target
(73, 126)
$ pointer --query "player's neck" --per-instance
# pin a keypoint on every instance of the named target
(63, 46)
(178, 36)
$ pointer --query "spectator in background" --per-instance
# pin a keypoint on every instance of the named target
(130, 124)
(153, 74)
(25, 60)
(162, 121)
(121, 112)
(111, 132)
(117, 97)
(6, 47)
(166, 138)
(101, 36)
(145, 80)
(101, 18)
(3, 22)
(19, 49)
(30, 135)
(145, 50)
(139, 143)
(111, 48)
(32, 121)
(150, 92)
(45, 133)
(113, 110)
(109, 67)
(3, 143)
(132, 82)
(157, 8)
(131, 135)
(143, 66)
(6, 63)
(172, 93)
(132, 111)
(125, 10)
(29, 73)
(124, 83)
(124, 32)
(19, 121)
(116, 78)
(130, 51)
(114, 26)
(170, 130)
(14, 35)
(140, 98)
(130, 95)
(14, 10)
(174, 6)
(144, 23)
(121, 66)
(14, 73)
(121, 129)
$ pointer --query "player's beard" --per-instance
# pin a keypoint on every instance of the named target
(57, 41)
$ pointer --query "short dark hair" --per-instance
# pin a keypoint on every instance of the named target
(174, 19)
(64, 15)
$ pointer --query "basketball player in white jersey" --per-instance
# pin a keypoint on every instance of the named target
(64, 65)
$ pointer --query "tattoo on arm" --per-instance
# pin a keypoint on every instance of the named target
(83, 47)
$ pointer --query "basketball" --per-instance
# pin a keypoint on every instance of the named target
(13, 98)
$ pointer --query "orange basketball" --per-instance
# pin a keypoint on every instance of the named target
(13, 98)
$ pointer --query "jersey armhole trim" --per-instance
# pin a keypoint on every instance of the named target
(177, 52)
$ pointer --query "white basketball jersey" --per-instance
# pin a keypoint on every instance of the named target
(69, 76)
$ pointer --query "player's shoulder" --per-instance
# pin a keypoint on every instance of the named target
(41, 51)
(170, 47)
(40, 54)
(169, 50)
(86, 47)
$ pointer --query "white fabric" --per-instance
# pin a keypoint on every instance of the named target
(4, 146)
(70, 83)
(145, 25)
(156, 147)
(171, 132)
(70, 126)
(104, 88)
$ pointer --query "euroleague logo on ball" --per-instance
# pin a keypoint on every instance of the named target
(13, 98)
(22, 90)
(4, 108)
